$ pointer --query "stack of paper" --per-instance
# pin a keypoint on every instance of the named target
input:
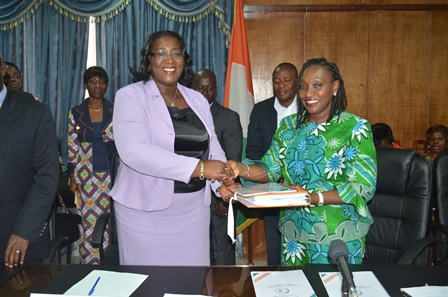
(271, 195)
(367, 285)
(279, 283)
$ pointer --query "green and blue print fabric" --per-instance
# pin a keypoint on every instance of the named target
(337, 155)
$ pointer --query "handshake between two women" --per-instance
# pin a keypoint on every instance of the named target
(226, 173)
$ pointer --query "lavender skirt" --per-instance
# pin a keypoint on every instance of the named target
(177, 236)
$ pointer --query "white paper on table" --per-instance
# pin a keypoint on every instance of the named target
(51, 295)
(367, 285)
(175, 295)
(111, 284)
(426, 291)
(275, 283)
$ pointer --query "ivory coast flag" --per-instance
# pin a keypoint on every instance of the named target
(239, 93)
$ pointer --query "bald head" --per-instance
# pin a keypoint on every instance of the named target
(204, 82)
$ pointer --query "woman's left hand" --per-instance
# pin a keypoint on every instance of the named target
(226, 194)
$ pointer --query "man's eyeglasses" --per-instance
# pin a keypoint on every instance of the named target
(164, 55)
(202, 89)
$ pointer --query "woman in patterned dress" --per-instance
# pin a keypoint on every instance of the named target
(91, 148)
(330, 153)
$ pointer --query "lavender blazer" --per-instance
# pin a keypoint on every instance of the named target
(144, 136)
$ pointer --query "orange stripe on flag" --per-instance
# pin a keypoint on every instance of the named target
(239, 93)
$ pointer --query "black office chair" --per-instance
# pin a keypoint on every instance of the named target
(62, 241)
(441, 226)
(401, 209)
(111, 255)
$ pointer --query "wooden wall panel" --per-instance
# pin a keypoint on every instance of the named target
(273, 38)
(438, 102)
(342, 37)
(399, 73)
(341, 2)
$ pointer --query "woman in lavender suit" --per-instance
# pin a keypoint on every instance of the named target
(171, 161)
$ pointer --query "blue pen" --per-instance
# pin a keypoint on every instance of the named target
(93, 288)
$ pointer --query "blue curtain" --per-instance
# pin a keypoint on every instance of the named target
(52, 58)
(203, 24)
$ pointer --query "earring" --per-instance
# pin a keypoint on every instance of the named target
(149, 68)
(334, 94)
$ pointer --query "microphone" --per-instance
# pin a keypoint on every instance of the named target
(339, 254)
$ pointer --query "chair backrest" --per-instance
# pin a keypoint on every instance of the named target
(400, 206)
(420, 146)
(441, 168)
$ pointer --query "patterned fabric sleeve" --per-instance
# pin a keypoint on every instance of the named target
(271, 161)
(72, 138)
(360, 167)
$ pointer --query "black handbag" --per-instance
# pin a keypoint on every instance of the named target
(66, 224)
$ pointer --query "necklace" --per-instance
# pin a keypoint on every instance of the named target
(94, 109)
(174, 99)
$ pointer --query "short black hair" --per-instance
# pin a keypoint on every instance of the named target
(13, 65)
(437, 128)
(95, 71)
(287, 64)
(381, 132)
(339, 103)
(144, 73)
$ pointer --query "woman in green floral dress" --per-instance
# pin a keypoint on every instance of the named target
(330, 153)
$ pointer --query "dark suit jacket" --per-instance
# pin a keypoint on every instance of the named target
(262, 126)
(229, 132)
(29, 172)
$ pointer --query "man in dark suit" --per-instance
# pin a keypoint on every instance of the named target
(28, 177)
(264, 121)
(230, 135)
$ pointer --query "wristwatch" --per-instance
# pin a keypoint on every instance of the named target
(321, 199)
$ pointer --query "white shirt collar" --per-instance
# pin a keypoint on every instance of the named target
(282, 111)
(3, 95)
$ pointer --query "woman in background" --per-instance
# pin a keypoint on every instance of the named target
(328, 152)
(436, 138)
(171, 160)
(91, 148)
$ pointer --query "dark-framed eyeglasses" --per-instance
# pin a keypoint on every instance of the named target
(164, 55)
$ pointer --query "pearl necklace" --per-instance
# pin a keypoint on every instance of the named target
(174, 99)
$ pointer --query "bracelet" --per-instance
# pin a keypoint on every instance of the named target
(201, 170)
(321, 199)
(248, 171)
(218, 189)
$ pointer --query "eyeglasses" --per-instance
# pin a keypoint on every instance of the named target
(202, 89)
(164, 55)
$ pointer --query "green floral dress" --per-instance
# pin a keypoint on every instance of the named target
(321, 157)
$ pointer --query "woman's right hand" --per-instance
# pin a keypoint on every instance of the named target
(235, 166)
(72, 185)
